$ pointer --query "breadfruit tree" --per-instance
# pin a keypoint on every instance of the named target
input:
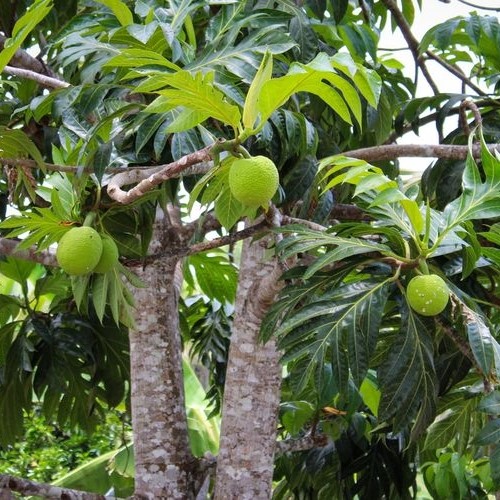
(205, 219)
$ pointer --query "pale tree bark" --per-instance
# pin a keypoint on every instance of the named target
(163, 461)
(252, 389)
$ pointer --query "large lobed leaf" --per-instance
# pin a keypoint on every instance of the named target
(407, 376)
(320, 77)
(480, 198)
(194, 92)
(341, 328)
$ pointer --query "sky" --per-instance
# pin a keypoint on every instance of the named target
(433, 12)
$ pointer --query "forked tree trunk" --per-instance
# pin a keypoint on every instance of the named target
(161, 445)
(252, 391)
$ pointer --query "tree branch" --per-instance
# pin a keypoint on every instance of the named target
(26, 488)
(301, 444)
(147, 181)
(411, 41)
(227, 239)
(43, 80)
(22, 59)
(9, 247)
(454, 70)
(393, 151)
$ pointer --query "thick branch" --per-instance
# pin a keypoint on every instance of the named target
(27, 488)
(22, 59)
(44, 80)
(393, 151)
(9, 247)
(147, 181)
(301, 444)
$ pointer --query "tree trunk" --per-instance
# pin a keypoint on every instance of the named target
(161, 445)
(252, 391)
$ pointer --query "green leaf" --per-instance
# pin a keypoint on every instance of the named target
(495, 465)
(452, 424)
(490, 403)
(407, 377)
(305, 240)
(228, 209)
(344, 323)
(120, 10)
(216, 275)
(295, 414)
(137, 58)
(44, 228)
(23, 27)
(195, 92)
(264, 73)
(14, 143)
(480, 339)
(99, 294)
(79, 285)
(277, 91)
(17, 269)
(489, 434)
(480, 199)
(300, 293)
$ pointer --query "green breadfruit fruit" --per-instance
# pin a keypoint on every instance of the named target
(428, 294)
(109, 256)
(79, 250)
(253, 181)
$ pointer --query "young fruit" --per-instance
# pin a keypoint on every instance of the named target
(109, 256)
(427, 294)
(79, 250)
(253, 181)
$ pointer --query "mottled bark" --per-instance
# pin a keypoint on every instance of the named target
(27, 488)
(163, 461)
(252, 393)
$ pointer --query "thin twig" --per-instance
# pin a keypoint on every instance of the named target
(228, 239)
(411, 41)
(454, 70)
(468, 104)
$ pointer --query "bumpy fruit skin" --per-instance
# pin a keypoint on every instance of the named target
(253, 181)
(79, 250)
(109, 256)
(427, 294)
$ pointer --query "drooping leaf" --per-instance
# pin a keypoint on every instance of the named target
(490, 403)
(216, 276)
(338, 248)
(14, 143)
(342, 325)
(452, 424)
(407, 377)
(192, 91)
(481, 340)
(489, 434)
(120, 10)
(23, 27)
